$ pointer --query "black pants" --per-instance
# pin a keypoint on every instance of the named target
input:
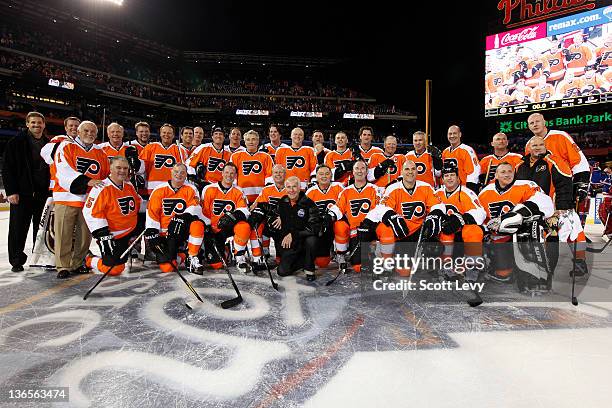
(29, 210)
(300, 255)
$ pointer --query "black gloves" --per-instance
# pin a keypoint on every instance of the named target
(382, 168)
(397, 224)
(342, 167)
(179, 225)
(229, 220)
(367, 230)
(436, 157)
(581, 191)
(258, 215)
(432, 225)
(107, 245)
(452, 223)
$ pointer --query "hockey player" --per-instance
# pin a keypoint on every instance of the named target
(275, 142)
(341, 160)
(300, 225)
(159, 158)
(143, 134)
(406, 209)
(553, 176)
(556, 62)
(299, 160)
(365, 149)
(110, 211)
(463, 220)
(115, 145)
(465, 158)
(353, 204)
(578, 55)
(186, 146)
(173, 219)
(385, 167)
(325, 194)
(225, 211)
(488, 164)
(318, 144)
(508, 202)
(427, 158)
(235, 137)
(253, 165)
(48, 151)
(198, 136)
(207, 161)
(81, 165)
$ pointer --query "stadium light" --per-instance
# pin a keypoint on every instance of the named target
(116, 2)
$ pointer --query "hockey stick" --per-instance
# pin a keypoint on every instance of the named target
(127, 251)
(274, 284)
(574, 298)
(416, 253)
(230, 302)
(589, 249)
(341, 271)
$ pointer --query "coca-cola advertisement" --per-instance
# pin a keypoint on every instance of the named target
(556, 64)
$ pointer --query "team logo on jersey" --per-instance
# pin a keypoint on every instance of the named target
(173, 205)
(544, 96)
(421, 168)
(500, 207)
(215, 164)
(222, 206)
(126, 204)
(85, 165)
(451, 209)
(553, 62)
(251, 166)
(295, 161)
(361, 205)
(497, 81)
(164, 160)
(323, 205)
(413, 209)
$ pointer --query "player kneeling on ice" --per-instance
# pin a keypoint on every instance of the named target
(409, 211)
(173, 220)
(510, 205)
(111, 212)
(463, 220)
(225, 213)
(300, 226)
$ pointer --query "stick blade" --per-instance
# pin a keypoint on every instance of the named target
(193, 305)
(231, 302)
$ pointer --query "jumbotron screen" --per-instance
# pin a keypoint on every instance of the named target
(560, 63)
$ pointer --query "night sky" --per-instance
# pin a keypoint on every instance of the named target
(389, 50)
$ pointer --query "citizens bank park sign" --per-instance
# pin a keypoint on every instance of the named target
(520, 12)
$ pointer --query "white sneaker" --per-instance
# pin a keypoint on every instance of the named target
(195, 266)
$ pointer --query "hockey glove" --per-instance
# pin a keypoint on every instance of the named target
(452, 223)
(138, 182)
(258, 215)
(229, 220)
(342, 167)
(432, 224)
(581, 191)
(510, 222)
(131, 154)
(179, 225)
(472, 186)
(366, 231)
(397, 224)
(151, 235)
(436, 157)
(108, 246)
(383, 168)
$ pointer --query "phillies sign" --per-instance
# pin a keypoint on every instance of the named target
(530, 11)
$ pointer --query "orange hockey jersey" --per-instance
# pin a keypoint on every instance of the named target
(112, 206)
(355, 203)
(158, 162)
(462, 201)
(488, 164)
(581, 55)
(214, 159)
(556, 63)
(424, 166)
(331, 160)
(112, 151)
(367, 154)
(48, 155)
(216, 200)
(253, 169)
(325, 199)
(271, 149)
(466, 160)
(165, 202)
(185, 152)
(393, 172)
(271, 194)
(493, 80)
(298, 162)
(73, 160)
(561, 146)
(497, 201)
(413, 204)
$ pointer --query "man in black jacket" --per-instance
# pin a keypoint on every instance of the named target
(300, 226)
(26, 180)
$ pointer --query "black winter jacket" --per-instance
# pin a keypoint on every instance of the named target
(18, 171)
(302, 219)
